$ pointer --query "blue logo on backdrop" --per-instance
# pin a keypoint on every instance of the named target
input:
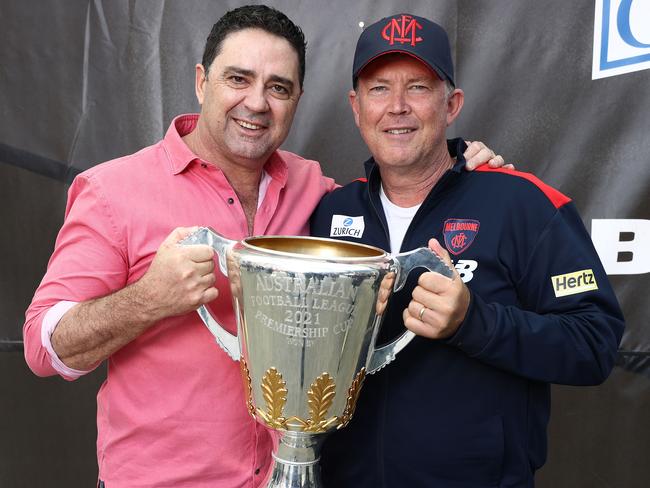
(347, 222)
(621, 37)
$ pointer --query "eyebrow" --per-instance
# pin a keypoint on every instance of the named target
(418, 79)
(252, 74)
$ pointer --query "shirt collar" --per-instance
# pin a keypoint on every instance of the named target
(181, 156)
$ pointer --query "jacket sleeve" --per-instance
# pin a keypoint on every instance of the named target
(568, 324)
(88, 261)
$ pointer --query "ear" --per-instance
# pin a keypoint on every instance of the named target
(199, 83)
(454, 105)
(353, 98)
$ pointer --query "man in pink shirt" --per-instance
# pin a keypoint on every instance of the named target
(119, 289)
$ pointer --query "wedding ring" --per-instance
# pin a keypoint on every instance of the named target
(421, 312)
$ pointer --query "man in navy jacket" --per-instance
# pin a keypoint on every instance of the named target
(466, 404)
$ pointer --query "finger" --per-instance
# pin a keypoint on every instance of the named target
(433, 284)
(416, 326)
(471, 164)
(440, 251)
(209, 295)
(417, 309)
(424, 296)
(471, 161)
(178, 234)
(208, 280)
(204, 268)
(509, 166)
(198, 253)
(496, 162)
(484, 156)
(473, 148)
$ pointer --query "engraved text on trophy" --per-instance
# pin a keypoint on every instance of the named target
(304, 308)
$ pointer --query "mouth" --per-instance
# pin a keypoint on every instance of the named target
(398, 132)
(249, 125)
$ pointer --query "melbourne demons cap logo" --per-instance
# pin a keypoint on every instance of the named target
(403, 29)
(409, 34)
(459, 234)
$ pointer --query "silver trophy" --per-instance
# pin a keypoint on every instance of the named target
(308, 314)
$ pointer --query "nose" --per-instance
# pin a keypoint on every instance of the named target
(398, 104)
(256, 99)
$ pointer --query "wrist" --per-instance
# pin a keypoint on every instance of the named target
(143, 304)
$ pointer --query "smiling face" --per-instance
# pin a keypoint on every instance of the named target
(402, 110)
(248, 97)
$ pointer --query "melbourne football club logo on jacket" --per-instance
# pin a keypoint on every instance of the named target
(459, 234)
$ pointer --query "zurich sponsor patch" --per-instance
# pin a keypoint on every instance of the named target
(459, 234)
(346, 226)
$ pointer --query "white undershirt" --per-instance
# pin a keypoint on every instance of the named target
(398, 219)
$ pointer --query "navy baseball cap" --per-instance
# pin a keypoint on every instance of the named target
(408, 34)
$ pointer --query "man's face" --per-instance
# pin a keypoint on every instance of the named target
(402, 110)
(249, 96)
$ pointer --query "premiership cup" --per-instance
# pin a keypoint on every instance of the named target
(308, 312)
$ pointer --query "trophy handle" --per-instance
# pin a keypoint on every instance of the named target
(207, 236)
(404, 264)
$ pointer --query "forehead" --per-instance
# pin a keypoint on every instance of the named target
(256, 48)
(397, 65)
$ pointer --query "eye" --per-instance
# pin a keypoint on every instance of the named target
(377, 89)
(279, 89)
(418, 88)
(236, 79)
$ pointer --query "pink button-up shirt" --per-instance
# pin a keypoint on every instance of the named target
(171, 411)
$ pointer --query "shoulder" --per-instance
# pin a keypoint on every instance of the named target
(302, 171)
(124, 176)
(511, 184)
(295, 162)
(128, 166)
(348, 195)
(348, 200)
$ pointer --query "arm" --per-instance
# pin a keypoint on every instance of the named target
(179, 280)
(91, 260)
(569, 339)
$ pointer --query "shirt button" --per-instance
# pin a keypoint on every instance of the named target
(203, 165)
(257, 471)
(231, 200)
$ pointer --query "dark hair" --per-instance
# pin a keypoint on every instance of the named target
(255, 17)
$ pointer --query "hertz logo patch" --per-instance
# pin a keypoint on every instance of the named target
(572, 283)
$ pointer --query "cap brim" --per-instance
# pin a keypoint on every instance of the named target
(433, 68)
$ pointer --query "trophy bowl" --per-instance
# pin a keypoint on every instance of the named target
(308, 313)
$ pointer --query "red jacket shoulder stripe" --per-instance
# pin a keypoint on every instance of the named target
(557, 198)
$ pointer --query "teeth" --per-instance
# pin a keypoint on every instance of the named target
(400, 131)
(246, 125)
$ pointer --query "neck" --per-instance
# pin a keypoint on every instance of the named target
(407, 187)
(244, 176)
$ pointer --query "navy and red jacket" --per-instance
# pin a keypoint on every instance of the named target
(472, 410)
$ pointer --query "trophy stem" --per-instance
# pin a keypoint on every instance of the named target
(296, 461)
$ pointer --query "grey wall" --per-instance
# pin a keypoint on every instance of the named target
(85, 81)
